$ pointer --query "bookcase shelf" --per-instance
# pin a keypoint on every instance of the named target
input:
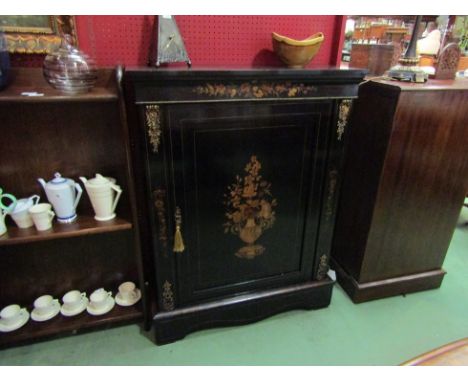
(84, 225)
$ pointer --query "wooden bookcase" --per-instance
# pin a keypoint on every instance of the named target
(76, 135)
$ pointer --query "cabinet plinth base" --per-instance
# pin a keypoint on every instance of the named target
(243, 309)
(362, 292)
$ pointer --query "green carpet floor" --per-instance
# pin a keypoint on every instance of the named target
(383, 332)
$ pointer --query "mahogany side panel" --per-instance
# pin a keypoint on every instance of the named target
(368, 133)
(422, 188)
(404, 184)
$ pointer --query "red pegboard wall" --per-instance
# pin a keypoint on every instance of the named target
(112, 40)
(245, 41)
(211, 41)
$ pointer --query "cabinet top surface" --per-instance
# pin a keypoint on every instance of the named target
(327, 74)
(430, 85)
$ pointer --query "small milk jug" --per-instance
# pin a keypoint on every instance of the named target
(104, 195)
(20, 214)
(64, 195)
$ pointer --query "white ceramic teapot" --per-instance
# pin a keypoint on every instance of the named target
(64, 195)
(103, 198)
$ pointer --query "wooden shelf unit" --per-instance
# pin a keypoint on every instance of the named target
(76, 135)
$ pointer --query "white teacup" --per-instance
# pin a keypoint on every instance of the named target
(44, 305)
(73, 299)
(11, 314)
(21, 212)
(128, 291)
(42, 216)
(99, 298)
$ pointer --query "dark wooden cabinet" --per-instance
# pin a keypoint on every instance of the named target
(405, 179)
(377, 58)
(78, 135)
(244, 167)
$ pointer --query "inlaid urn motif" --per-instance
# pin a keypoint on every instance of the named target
(250, 209)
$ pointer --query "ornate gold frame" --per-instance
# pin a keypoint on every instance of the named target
(40, 40)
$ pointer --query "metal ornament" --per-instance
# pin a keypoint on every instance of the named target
(344, 109)
(153, 123)
(167, 297)
(178, 240)
(170, 46)
(323, 267)
(407, 68)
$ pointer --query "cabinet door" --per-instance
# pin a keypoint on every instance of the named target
(247, 178)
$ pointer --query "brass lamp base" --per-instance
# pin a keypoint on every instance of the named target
(407, 68)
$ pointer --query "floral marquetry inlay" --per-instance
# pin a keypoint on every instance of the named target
(250, 209)
(329, 203)
(159, 196)
(255, 90)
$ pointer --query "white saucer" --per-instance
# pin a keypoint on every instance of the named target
(39, 317)
(120, 301)
(24, 317)
(109, 305)
(78, 310)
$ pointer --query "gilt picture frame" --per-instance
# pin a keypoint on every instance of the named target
(36, 34)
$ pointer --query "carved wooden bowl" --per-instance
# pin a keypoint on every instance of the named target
(296, 53)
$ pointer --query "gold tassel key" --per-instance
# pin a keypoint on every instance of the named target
(178, 241)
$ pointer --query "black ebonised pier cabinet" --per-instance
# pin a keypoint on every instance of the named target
(237, 175)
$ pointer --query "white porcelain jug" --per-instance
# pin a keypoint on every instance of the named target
(64, 195)
(21, 215)
(104, 195)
